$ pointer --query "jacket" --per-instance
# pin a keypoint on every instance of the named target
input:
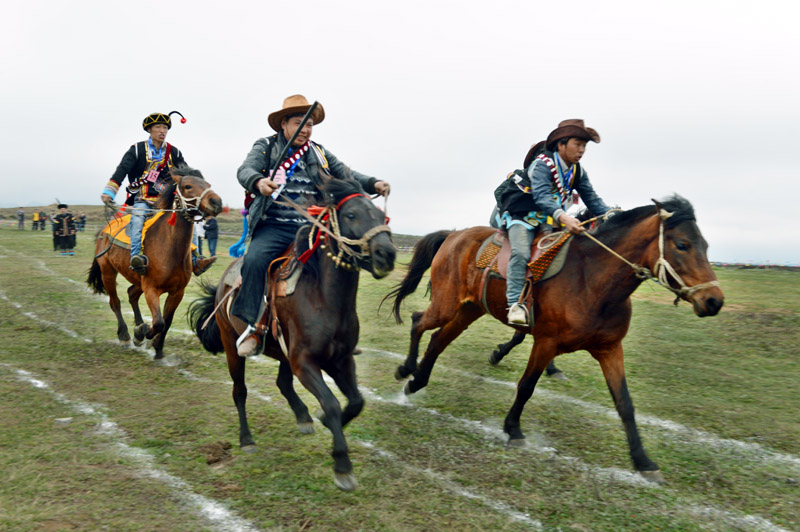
(211, 228)
(533, 194)
(134, 164)
(262, 157)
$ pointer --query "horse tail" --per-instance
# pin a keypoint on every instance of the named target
(424, 251)
(199, 311)
(95, 278)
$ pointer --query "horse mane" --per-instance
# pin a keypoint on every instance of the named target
(166, 198)
(611, 230)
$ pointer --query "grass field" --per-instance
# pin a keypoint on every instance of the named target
(96, 436)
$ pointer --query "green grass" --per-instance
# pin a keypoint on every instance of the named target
(732, 376)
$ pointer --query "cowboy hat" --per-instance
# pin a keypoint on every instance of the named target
(295, 104)
(572, 128)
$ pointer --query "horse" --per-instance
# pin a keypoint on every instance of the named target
(168, 246)
(318, 323)
(586, 306)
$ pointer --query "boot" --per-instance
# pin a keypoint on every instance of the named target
(202, 264)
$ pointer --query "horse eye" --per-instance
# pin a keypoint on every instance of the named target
(682, 246)
(350, 216)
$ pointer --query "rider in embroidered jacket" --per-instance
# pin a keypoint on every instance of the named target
(272, 227)
(551, 183)
(145, 165)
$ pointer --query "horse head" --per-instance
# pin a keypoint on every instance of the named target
(682, 264)
(193, 193)
(365, 237)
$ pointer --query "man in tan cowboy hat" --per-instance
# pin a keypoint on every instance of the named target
(145, 165)
(551, 182)
(272, 227)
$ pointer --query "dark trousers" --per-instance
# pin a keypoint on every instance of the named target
(212, 247)
(269, 241)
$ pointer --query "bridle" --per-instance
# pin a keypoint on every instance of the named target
(351, 251)
(663, 269)
(189, 207)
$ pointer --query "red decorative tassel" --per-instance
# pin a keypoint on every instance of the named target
(172, 218)
(183, 120)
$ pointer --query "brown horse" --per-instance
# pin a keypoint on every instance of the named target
(586, 306)
(168, 246)
(318, 322)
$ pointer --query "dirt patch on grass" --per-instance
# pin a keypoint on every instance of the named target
(217, 452)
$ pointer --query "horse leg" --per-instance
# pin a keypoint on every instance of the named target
(110, 284)
(344, 374)
(236, 366)
(304, 422)
(140, 329)
(311, 377)
(541, 355)
(410, 365)
(503, 349)
(554, 373)
(170, 305)
(612, 362)
(466, 314)
(153, 303)
(134, 293)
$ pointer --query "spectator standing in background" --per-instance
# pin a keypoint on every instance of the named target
(212, 233)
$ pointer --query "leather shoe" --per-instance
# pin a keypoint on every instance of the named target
(202, 265)
(139, 264)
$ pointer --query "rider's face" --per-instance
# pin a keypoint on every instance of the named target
(290, 125)
(572, 151)
(158, 132)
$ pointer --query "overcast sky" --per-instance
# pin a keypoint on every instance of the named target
(440, 98)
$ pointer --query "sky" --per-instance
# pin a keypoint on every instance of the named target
(442, 99)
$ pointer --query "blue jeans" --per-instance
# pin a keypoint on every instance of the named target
(269, 240)
(212, 247)
(521, 239)
(138, 215)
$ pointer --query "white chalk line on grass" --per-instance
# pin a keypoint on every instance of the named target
(213, 511)
(686, 434)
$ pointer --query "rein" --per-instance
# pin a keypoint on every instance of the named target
(663, 269)
(346, 245)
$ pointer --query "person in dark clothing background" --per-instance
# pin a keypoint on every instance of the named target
(212, 233)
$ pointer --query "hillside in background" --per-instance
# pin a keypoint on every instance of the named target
(229, 222)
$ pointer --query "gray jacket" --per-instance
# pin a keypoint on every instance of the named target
(261, 158)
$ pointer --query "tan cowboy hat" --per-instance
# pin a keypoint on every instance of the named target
(573, 127)
(292, 105)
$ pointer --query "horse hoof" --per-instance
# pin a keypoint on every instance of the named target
(345, 481)
(407, 388)
(306, 427)
(398, 374)
(559, 376)
(653, 476)
(517, 443)
(249, 449)
(493, 359)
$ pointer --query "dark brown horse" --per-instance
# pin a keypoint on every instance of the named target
(168, 246)
(586, 306)
(318, 321)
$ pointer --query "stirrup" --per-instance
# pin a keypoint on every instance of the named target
(248, 332)
(142, 262)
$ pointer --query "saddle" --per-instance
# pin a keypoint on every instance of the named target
(546, 262)
(118, 230)
(283, 274)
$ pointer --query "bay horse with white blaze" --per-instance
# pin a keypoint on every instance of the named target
(586, 306)
(168, 246)
(318, 322)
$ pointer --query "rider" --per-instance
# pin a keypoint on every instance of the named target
(142, 164)
(272, 227)
(548, 186)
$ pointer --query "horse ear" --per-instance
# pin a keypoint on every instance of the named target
(658, 205)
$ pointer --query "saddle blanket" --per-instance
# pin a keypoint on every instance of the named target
(118, 230)
(544, 264)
